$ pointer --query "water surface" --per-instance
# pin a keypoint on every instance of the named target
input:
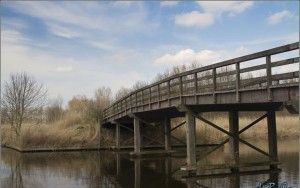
(117, 170)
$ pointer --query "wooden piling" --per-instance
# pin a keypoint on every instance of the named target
(167, 127)
(118, 142)
(272, 137)
(137, 135)
(234, 140)
(190, 139)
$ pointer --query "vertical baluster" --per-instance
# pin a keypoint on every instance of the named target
(169, 91)
(142, 102)
(150, 98)
(214, 74)
(195, 86)
(158, 95)
(269, 77)
(237, 81)
(136, 103)
(180, 89)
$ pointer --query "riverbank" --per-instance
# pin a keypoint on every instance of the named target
(71, 134)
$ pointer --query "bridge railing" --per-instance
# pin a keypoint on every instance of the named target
(225, 76)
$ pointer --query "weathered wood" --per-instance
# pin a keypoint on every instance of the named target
(269, 76)
(118, 141)
(169, 86)
(234, 141)
(190, 138)
(249, 57)
(167, 127)
(214, 84)
(195, 86)
(137, 135)
(237, 81)
(180, 89)
(150, 98)
(137, 173)
(272, 136)
(169, 92)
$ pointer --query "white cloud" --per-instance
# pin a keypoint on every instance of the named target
(278, 17)
(62, 31)
(188, 56)
(64, 69)
(210, 11)
(123, 3)
(168, 3)
(219, 7)
(50, 68)
(194, 18)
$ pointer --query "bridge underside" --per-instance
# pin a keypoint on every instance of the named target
(159, 115)
(208, 89)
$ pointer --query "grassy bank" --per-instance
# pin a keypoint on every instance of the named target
(287, 126)
(73, 132)
(70, 132)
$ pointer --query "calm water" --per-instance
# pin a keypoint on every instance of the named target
(110, 169)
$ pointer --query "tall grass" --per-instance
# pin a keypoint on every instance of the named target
(74, 132)
(287, 126)
(71, 131)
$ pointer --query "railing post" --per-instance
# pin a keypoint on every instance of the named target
(214, 74)
(237, 81)
(125, 106)
(131, 103)
(180, 89)
(142, 100)
(269, 76)
(169, 92)
(158, 95)
(136, 103)
(196, 86)
(150, 98)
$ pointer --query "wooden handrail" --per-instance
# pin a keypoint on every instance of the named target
(184, 79)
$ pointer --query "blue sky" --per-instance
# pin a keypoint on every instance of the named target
(76, 47)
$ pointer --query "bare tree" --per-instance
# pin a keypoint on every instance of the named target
(54, 110)
(22, 97)
(103, 98)
(122, 92)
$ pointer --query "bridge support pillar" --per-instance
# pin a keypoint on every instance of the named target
(137, 135)
(118, 141)
(234, 141)
(190, 139)
(272, 137)
(167, 127)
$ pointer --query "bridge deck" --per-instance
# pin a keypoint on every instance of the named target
(213, 87)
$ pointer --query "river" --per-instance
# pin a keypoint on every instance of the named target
(91, 169)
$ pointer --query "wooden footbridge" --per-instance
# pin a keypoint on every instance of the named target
(211, 89)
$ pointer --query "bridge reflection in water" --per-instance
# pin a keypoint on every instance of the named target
(118, 169)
